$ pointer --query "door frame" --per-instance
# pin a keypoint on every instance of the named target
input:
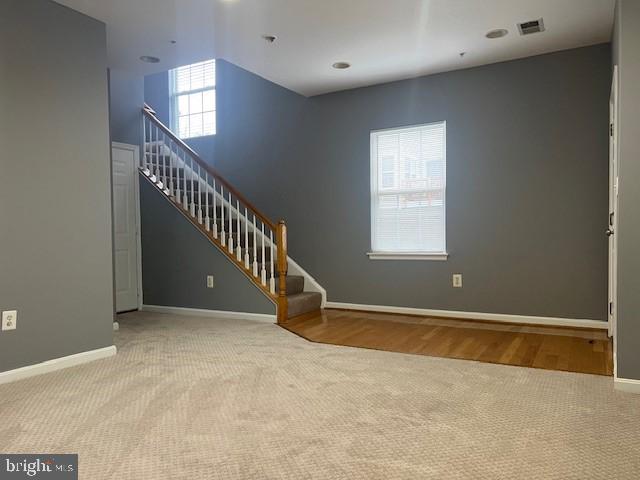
(136, 193)
(614, 175)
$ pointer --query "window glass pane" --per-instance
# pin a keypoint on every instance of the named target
(195, 103)
(183, 126)
(195, 125)
(209, 100)
(209, 123)
(183, 105)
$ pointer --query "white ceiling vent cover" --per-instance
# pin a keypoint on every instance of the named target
(532, 26)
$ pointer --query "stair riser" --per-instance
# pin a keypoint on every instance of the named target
(303, 303)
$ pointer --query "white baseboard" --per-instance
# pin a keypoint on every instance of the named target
(56, 364)
(628, 385)
(200, 312)
(494, 317)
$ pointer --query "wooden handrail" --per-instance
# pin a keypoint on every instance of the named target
(150, 114)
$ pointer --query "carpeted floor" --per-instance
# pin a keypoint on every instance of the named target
(197, 398)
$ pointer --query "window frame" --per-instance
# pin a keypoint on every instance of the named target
(174, 95)
(374, 196)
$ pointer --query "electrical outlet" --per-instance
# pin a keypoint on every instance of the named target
(9, 320)
(210, 283)
(457, 280)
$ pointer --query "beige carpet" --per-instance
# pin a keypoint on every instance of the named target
(195, 398)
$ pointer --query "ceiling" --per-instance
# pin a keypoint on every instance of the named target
(383, 40)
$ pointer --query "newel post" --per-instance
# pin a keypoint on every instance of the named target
(282, 271)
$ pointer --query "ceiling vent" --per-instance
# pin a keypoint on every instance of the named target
(532, 26)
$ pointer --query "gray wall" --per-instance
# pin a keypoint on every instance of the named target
(627, 55)
(527, 180)
(176, 259)
(55, 200)
(126, 98)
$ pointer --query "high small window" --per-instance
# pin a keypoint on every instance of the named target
(408, 178)
(193, 99)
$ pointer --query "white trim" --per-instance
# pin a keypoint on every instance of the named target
(628, 385)
(407, 256)
(200, 312)
(56, 364)
(494, 317)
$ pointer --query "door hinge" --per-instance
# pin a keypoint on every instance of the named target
(611, 129)
(611, 219)
(610, 308)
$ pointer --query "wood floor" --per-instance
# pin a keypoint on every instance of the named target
(551, 348)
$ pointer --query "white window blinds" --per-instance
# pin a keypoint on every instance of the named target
(193, 93)
(408, 172)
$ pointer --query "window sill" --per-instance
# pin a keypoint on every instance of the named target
(438, 256)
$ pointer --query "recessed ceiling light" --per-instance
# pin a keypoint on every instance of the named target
(341, 65)
(498, 33)
(149, 59)
(270, 38)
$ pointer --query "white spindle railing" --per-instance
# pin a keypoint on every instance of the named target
(207, 220)
(255, 248)
(219, 209)
(246, 239)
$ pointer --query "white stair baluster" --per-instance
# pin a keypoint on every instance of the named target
(223, 240)
(255, 249)
(207, 220)
(165, 184)
(193, 188)
(246, 239)
(170, 168)
(161, 182)
(177, 163)
(239, 246)
(199, 196)
(154, 151)
(263, 272)
(185, 200)
(272, 280)
(230, 242)
(144, 160)
(215, 213)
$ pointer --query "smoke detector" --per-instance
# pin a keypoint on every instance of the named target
(532, 26)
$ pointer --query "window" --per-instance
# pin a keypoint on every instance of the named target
(408, 173)
(193, 99)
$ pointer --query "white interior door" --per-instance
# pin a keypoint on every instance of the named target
(125, 226)
(613, 202)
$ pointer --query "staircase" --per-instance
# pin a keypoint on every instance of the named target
(252, 242)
